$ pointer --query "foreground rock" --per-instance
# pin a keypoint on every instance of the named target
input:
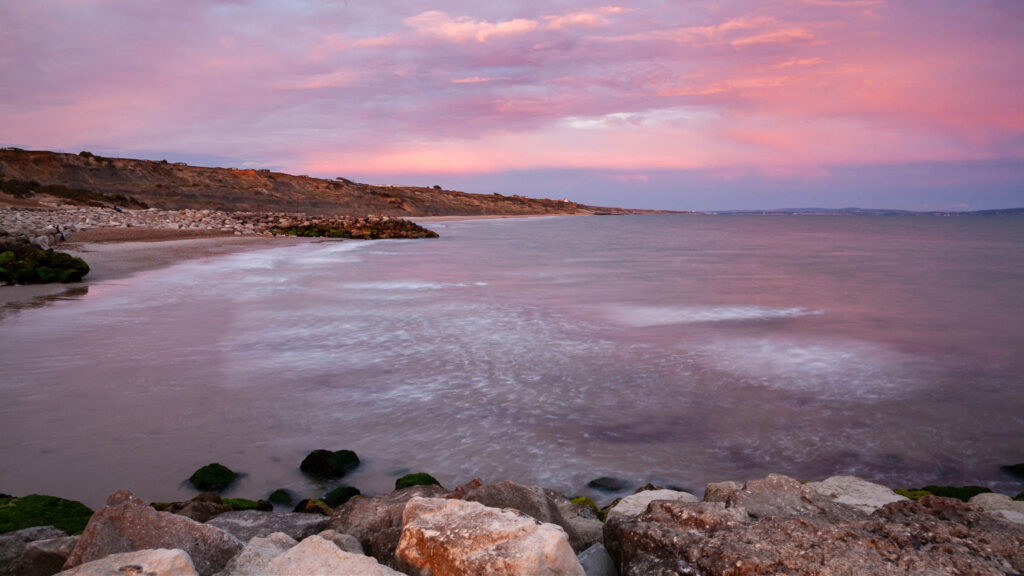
(13, 544)
(45, 557)
(578, 520)
(140, 563)
(257, 554)
(127, 524)
(248, 524)
(201, 508)
(315, 555)
(1001, 506)
(852, 491)
(636, 504)
(791, 529)
(447, 537)
(377, 522)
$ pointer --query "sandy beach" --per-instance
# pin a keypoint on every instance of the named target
(114, 253)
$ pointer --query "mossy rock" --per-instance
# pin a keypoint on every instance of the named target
(245, 504)
(313, 506)
(340, 495)
(1015, 470)
(281, 496)
(608, 484)
(36, 510)
(416, 479)
(590, 504)
(27, 264)
(160, 506)
(964, 493)
(325, 464)
(212, 478)
(1019, 497)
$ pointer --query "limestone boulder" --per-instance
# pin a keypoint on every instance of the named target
(597, 562)
(13, 544)
(1000, 506)
(315, 555)
(201, 508)
(158, 562)
(720, 491)
(127, 524)
(346, 542)
(257, 554)
(450, 537)
(46, 557)
(578, 520)
(856, 492)
(929, 537)
(248, 524)
(784, 497)
(636, 504)
(377, 522)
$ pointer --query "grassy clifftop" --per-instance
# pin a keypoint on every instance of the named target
(25, 175)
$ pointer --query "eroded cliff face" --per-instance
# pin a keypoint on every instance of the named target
(178, 186)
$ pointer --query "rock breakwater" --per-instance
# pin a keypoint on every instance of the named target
(773, 525)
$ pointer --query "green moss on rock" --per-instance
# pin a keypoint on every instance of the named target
(245, 504)
(325, 464)
(416, 479)
(313, 506)
(281, 496)
(340, 495)
(590, 504)
(212, 478)
(964, 493)
(38, 510)
(1019, 497)
(27, 264)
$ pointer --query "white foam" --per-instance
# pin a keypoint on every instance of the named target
(644, 316)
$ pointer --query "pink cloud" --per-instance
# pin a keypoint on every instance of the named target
(465, 29)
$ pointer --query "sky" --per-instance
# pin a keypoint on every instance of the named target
(687, 105)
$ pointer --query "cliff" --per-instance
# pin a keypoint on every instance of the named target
(27, 178)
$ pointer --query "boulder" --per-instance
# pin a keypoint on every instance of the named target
(45, 557)
(448, 537)
(13, 544)
(416, 479)
(597, 562)
(201, 508)
(257, 554)
(346, 542)
(127, 524)
(281, 496)
(930, 536)
(377, 522)
(315, 555)
(248, 524)
(720, 491)
(158, 562)
(1001, 506)
(636, 504)
(578, 520)
(852, 491)
(212, 478)
(340, 495)
(313, 506)
(609, 484)
(782, 496)
(325, 464)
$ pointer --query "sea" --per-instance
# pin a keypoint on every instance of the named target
(671, 349)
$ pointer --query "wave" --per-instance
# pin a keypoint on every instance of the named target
(644, 316)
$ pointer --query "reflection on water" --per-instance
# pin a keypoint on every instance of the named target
(672, 349)
(72, 293)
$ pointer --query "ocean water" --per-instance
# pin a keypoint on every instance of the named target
(678, 350)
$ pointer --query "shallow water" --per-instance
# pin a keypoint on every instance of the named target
(673, 349)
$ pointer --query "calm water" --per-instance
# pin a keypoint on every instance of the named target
(673, 349)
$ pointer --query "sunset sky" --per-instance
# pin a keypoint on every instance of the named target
(653, 103)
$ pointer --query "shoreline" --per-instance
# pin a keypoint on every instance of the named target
(115, 253)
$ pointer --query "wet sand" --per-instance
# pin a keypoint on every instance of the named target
(114, 253)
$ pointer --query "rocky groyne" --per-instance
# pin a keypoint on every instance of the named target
(775, 525)
(46, 226)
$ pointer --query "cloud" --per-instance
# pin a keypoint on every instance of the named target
(464, 29)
